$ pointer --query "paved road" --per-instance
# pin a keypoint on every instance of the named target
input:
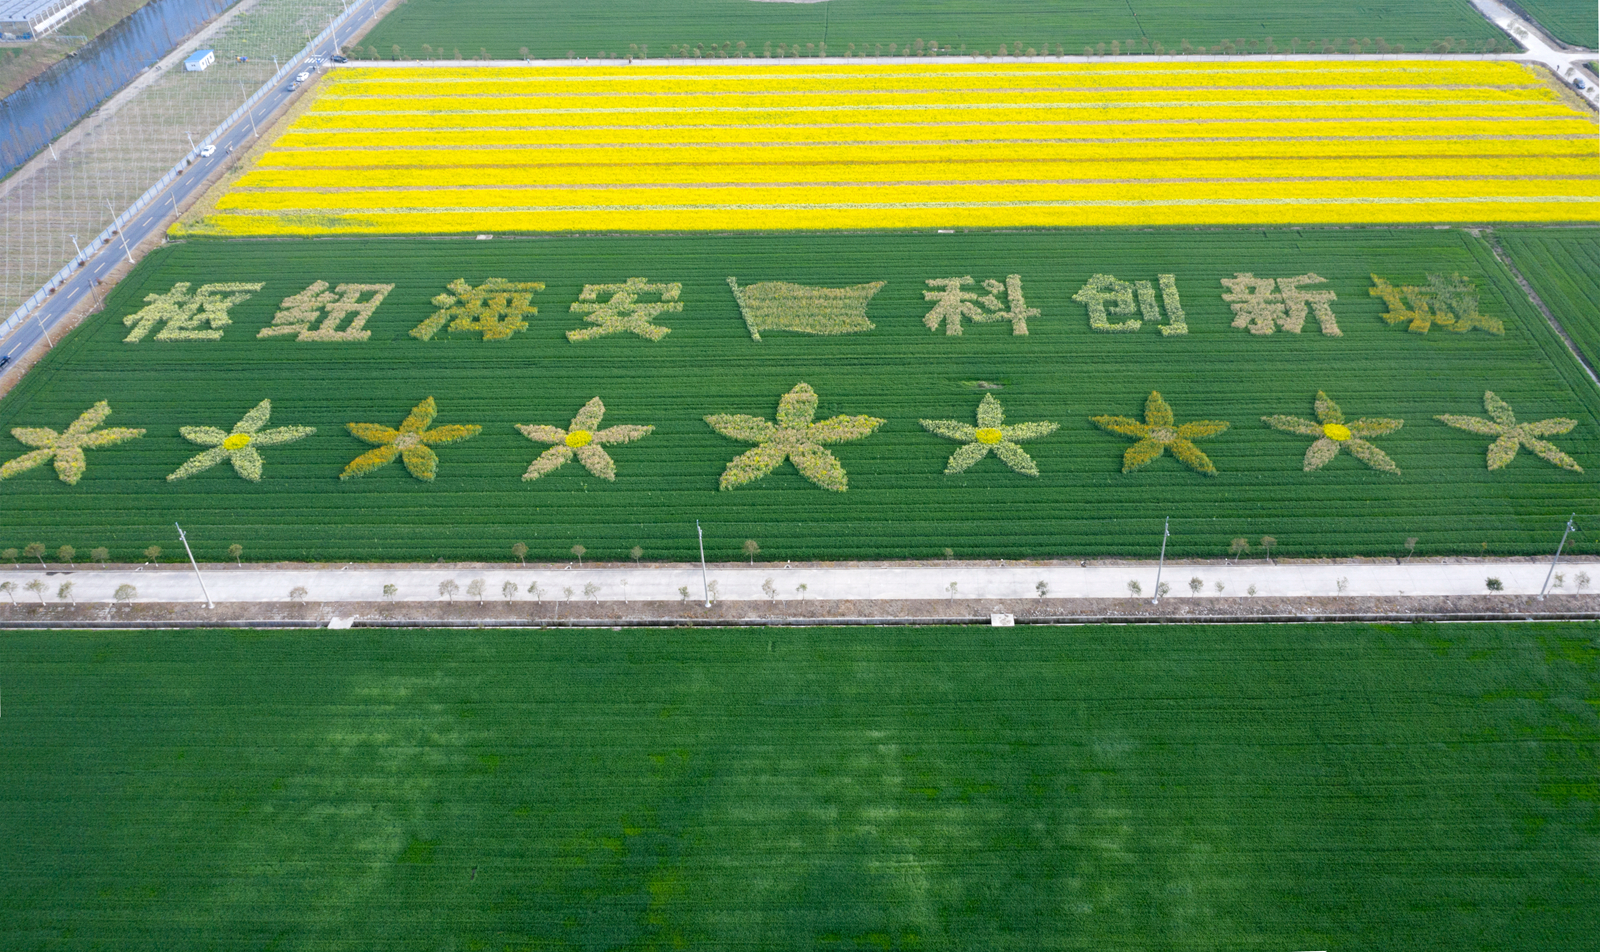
(1541, 47)
(155, 217)
(227, 583)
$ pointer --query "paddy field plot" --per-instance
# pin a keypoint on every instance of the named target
(448, 149)
(810, 392)
(1401, 788)
(1563, 265)
(1570, 21)
(555, 29)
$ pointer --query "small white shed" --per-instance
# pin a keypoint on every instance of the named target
(199, 60)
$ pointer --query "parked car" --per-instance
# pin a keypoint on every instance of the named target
(1580, 83)
(208, 152)
(4, 359)
(293, 87)
(302, 77)
(341, 59)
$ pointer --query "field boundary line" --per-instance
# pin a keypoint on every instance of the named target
(820, 621)
(1504, 258)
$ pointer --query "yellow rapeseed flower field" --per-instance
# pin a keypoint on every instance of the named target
(495, 149)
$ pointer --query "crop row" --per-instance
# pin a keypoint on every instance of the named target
(899, 501)
(1325, 154)
(1268, 212)
(974, 170)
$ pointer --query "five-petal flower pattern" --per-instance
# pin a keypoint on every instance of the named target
(794, 437)
(1333, 433)
(1511, 435)
(66, 449)
(990, 435)
(1159, 432)
(584, 439)
(411, 442)
(239, 446)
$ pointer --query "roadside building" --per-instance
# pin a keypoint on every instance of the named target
(31, 19)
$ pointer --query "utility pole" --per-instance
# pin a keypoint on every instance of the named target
(250, 112)
(76, 248)
(124, 237)
(705, 584)
(38, 315)
(191, 141)
(1166, 530)
(185, 540)
(1570, 529)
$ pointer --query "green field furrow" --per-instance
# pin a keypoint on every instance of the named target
(1564, 268)
(552, 29)
(899, 503)
(1390, 788)
(1571, 21)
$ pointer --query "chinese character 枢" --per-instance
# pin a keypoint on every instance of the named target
(184, 315)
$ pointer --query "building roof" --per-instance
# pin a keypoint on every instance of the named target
(28, 9)
(198, 55)
(39, 13)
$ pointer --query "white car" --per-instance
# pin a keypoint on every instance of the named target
(302, 77)
(208, 151)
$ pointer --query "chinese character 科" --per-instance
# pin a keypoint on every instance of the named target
(1265, 304)
(1106, 297)
(183, 314)
(624, 312)
(302, 310)
(953, 304)
(494, 308)
(1450, 302)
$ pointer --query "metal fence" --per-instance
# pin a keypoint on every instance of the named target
(143, 201)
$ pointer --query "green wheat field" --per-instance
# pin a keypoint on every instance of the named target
(1402, 788)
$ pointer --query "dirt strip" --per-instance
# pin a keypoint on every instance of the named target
(959, 611)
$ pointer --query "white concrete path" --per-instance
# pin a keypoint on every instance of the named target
(734, 582)
(1541, 48)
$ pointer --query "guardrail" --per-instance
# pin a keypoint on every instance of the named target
(143, 201)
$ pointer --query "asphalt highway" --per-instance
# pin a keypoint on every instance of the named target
(158, 215)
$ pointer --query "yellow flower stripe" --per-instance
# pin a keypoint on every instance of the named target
(755, 197)
(748, 172)
(919, 145)
(535, 152)
(925, 153)
(435, 96)
(590, 220)
(822, 114)
(413, 148)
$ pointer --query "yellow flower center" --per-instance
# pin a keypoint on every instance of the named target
(989, 436)
(579, 438)
(237, 441)
(1336, 431)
